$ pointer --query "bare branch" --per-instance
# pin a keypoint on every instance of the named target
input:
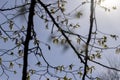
(28, 38)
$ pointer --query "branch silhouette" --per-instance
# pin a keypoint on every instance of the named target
(28, 38)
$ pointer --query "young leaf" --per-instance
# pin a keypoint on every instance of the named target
(76, 26)
(80, 73)
(49, 47)
(114, 36)
(20, 52)
(11, 25)
(23, 28)
(55, 41)
(58, 18)
(28, 76)
(78, 40)
(117, 51)
(11, 65)
(15, 72)
(47, 79)
(71, 67)
(114, 7)
(20, 65)
(5, 39)
(78, 14)
(65, 78)
(38, 63)
(52, 11)
(47, 26)
(98, 55)
(63, 41)
(12, 53)
(36, 41)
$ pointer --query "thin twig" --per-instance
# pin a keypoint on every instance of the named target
(60, 29)
(89, 38)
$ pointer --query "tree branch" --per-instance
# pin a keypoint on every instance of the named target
(62, 32)
(13, 8)
(89, 38)
(28, 38)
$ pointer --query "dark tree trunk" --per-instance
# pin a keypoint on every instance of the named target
(27, 40)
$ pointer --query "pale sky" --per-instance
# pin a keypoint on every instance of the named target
(108, 22)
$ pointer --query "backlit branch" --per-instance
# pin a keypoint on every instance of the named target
(62, 32)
